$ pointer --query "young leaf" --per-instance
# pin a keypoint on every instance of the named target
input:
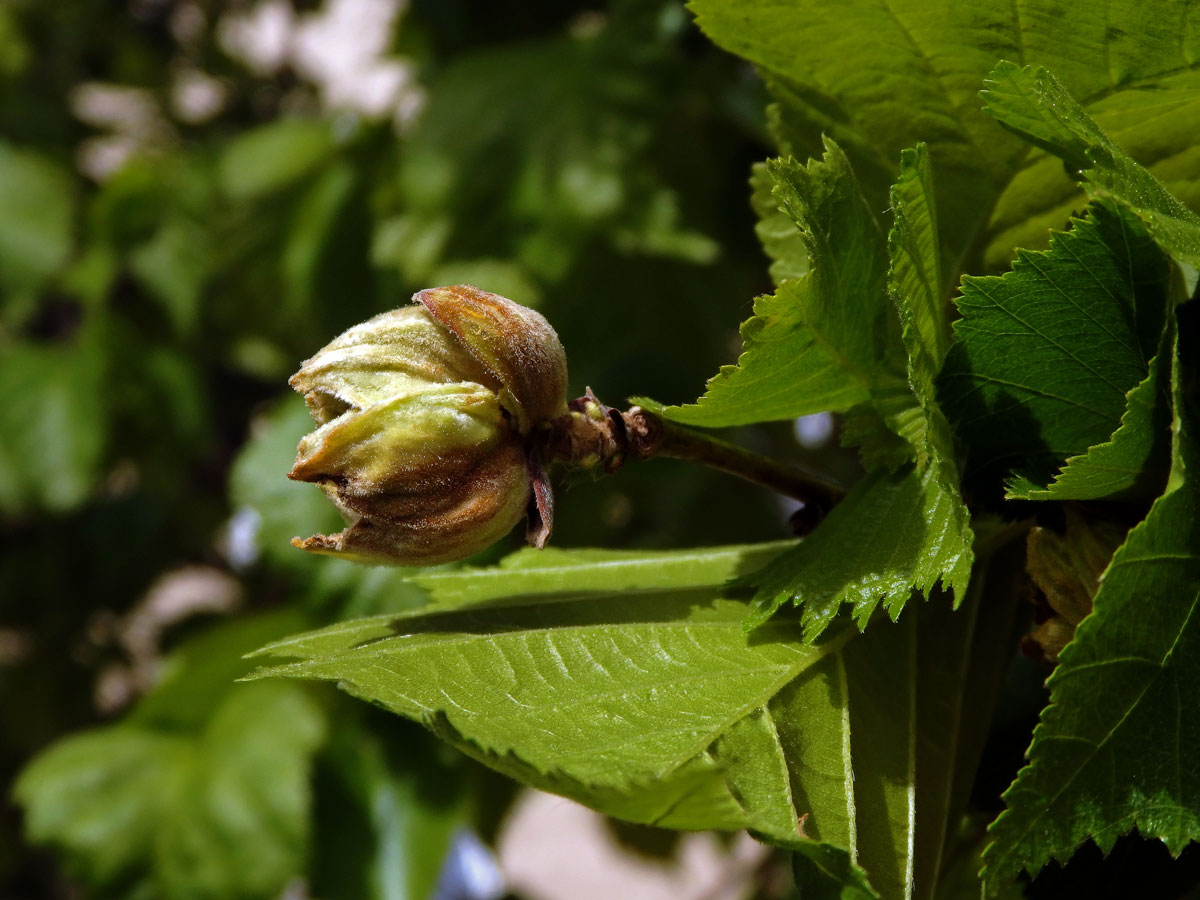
(1046, 354)
(819, 343)
(903, 531)
(656, 706)
(202, 791)
(1033, 103)
(1116, 746)
(778, 234)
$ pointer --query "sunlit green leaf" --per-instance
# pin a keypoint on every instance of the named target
(902, 531)
(894, 533)
(821, 342)
(1133, 67)
(653, 704)
(1033, 103)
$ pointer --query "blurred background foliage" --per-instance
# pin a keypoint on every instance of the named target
(195, 196)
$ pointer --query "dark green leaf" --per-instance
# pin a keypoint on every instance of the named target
(388, 803)
(1123, 466)
(1115, 748)
(824, 872)
(1046, 354)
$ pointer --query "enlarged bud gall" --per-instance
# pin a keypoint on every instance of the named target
(424, 416)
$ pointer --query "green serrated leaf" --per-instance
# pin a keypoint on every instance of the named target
(893, 533)
(1121, 467)
(1133, 67)
(657, 707)
(778, 234)
(902, 531)
(821, 342)
(1098, 770)
(1030, 101)
(1046, 354)
(915, 277)
(199, 799)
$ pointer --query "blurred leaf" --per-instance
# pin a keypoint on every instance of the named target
(175, 266)
(54, 418)
(271, 157)
(407, 796)
(37, 198)
(649, 702)
(15, 51)
(258, 482)
(185, 802)
(1033, 103)
(1098, 770)
(311, 232)
(1043, 360)
(1133, 67)
(535, 152)
(820, 343)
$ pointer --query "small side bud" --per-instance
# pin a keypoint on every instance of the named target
(1066, 569)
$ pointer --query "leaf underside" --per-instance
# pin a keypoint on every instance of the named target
(654, 705)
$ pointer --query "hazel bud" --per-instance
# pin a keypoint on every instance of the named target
(424, 416)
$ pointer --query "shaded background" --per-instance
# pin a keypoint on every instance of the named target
(195, 196)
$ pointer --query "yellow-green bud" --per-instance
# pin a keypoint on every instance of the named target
(424, 415)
